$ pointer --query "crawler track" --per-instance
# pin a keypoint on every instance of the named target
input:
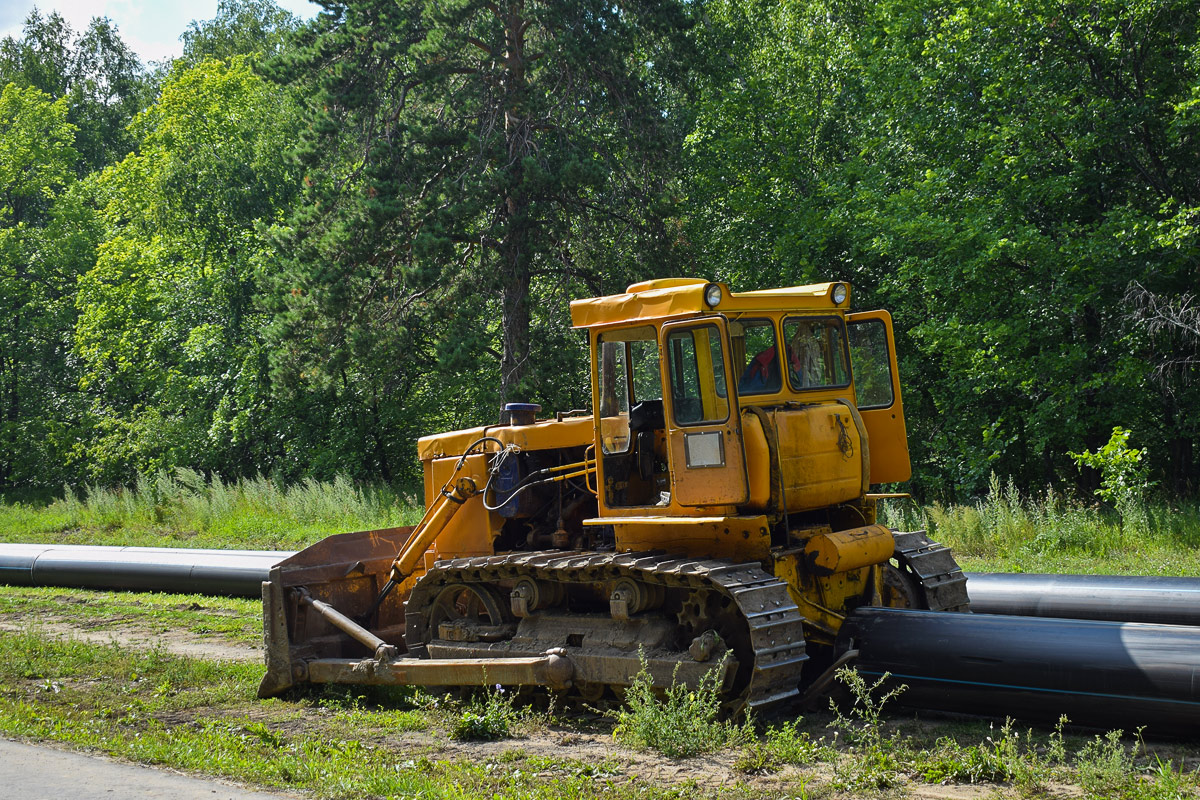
(931, 565)
(749, 607)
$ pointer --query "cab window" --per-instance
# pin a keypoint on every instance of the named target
(815, 353)
(755, 348)
(696, 374)
(872, 364)
(628, 366)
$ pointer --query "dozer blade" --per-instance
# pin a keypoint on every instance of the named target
(347, 572)
(320, 618)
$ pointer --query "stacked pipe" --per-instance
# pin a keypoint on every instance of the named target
(1164, 600)
(1106, 651)
(237, 573)
(1096, 673)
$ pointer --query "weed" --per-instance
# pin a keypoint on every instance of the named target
(486, 718)
(683, 722)
(1106, 768)
(1007, 531)
(875, 759)
(781, 745)
(185, 508)
(1000, 758)
(1124, 477)
(1168, 783)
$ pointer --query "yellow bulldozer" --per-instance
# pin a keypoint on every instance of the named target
(711, 512)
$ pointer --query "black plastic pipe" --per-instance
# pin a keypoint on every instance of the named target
(238, 573)
(1098, 674)
(1161, 600)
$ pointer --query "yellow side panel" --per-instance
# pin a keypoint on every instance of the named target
(472, 529)
(820, 456)
(758, 462)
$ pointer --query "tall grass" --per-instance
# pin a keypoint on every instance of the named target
(183, 508)
(1014, 532)
(1004, 531)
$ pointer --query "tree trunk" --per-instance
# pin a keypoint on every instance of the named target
(514, 212)
(5, 465)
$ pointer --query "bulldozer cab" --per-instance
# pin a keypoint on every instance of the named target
(672, 394)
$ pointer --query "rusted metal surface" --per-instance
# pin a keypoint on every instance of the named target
(606, 652)
(347, 572)
(600, 667)
(346, 625)
(552, 670)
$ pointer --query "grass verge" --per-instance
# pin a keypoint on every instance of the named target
(1006, 531)
(228, 619)
(184, 509)
(157, 708)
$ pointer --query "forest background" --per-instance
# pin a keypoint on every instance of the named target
(301, 245)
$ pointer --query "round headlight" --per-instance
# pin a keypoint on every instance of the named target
(712, 294)
(839, 293)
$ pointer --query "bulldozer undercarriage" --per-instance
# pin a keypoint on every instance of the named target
(583, 623)
(611, 613)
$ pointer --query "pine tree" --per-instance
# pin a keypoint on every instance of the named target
(465, 162)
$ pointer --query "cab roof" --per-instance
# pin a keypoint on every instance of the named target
(682, 297)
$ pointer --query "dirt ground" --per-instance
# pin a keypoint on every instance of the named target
(133, 636)
(713, 772)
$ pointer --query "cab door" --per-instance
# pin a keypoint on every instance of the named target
(704, 436)
(877, 394)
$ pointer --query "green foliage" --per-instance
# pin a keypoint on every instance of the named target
(467, 172)
(781, 745)
(486, 718)
(1124, 476)
(1000, 758)
(36, 152)
(94, 73)
(168, 333)
(46, 237)
(981, 172)
(1106, 768)
(679, 721)
(876, 757)
(202, 717)
(302, 246)
(1006, 531)
(255, 29)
